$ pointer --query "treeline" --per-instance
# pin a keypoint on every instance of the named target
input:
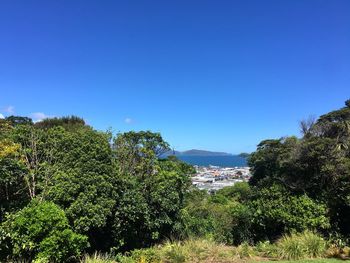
(67, 189)
(297, 185)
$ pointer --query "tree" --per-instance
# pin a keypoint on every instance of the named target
(240, 191)
(276, 211)
(13, 192)
(318, 164)
(82, 181)
(137, 152)
(271, 159)
(40, 231)
(151, 191)
(19, 120)
(207, 216)
(306, 125)
(68, 122)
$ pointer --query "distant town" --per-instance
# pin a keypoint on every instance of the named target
(213, 178)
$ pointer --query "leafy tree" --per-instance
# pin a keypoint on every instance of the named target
(82, 181)
(35, 156)
(12, 187)
(241, 230)
(317, 164)
(240, 191)
(19, 120)
(208, 216)
(137, 152)
(269, 160)
(40, 231)
(68, 122)
(151, 191)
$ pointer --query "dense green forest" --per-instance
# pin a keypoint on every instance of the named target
(67, 190)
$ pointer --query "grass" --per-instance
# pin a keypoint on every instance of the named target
(301, 246)
(320, 260)
(306, 247)
(97, 258)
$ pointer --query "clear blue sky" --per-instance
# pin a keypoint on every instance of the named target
(215, 75)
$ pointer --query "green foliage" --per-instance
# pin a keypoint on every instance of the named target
(245, 251)
(301, 246)
(241, 224)
(13, 194)
(268, 214)
(266, 249)
(68, 122)
(148, 209)
(271, 159)
(195, 250)
(204, 216)
(318, 164)
(275, 212)
(98, 258)
(19, 120)
(240, 191)
(66, 162)
(82, 182)
(40, 231)
(307, 245)
(118, 193)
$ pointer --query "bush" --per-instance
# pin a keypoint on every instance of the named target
(276, 212)
(149, 255)
(266, 249)
(241, 231)
(315, 245)
(41, 232)
(206, 217)
(245, 251)
(196, 250)
(240, 191)
(301, 245)
(191, 250)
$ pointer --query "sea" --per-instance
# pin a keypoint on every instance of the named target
(222, 161)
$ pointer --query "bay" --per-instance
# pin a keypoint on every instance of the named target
(222, 161)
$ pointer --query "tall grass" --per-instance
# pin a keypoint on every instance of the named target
(306, 245)
(97, 258)
(301, 246)
(196, 250)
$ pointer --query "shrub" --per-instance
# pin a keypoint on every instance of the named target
(289, 247)
(314, 244)
(97, 258)
(266, 249)
(301, 245)
(191, 250)
(149, 255)
(245, 251)
(174, 252)
(241, 231)
(276, 211)
(41, 232)
(196, 250)
(207, 217)
(240, 191)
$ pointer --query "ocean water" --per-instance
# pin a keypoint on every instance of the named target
(222, 161)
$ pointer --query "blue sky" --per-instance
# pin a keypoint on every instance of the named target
(215, 75)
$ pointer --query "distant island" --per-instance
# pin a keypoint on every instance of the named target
(195, 152)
